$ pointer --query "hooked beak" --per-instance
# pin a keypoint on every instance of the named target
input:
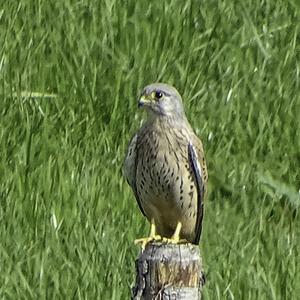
(144, 101)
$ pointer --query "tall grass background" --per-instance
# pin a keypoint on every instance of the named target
(70, 75)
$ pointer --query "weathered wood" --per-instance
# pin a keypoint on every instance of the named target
(168, 271)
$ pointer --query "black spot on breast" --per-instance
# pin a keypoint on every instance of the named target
(165, 158)
(151, 176)
(181, 187)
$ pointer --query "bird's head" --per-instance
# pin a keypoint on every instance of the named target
(161, 99)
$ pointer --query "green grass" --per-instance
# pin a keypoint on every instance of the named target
(67, 217)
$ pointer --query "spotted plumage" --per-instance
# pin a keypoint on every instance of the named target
(165, 165)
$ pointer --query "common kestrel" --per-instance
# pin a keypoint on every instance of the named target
(166, 169)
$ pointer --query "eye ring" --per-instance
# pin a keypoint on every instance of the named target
(158, 94)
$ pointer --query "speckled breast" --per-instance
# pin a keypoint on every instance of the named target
(164, 180)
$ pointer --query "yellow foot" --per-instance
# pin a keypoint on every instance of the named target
(152, 237)
(144, 241)
(175, 238)
(174, 241)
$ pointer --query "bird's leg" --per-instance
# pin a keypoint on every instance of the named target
(152, 236)
(175, 238)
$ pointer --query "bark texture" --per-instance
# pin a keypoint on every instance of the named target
(168, 271)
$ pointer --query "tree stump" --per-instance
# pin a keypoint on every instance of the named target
(169, 271)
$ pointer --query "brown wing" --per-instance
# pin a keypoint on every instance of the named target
(197, 161)
(130, 164)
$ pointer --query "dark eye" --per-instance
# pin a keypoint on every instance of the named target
(158, 94)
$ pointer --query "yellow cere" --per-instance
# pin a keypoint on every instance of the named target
(153, 97)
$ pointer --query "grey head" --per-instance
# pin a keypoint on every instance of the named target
(162, 100)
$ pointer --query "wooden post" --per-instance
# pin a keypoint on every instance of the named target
(169, 271)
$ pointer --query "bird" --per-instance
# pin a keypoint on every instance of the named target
(166, 168)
